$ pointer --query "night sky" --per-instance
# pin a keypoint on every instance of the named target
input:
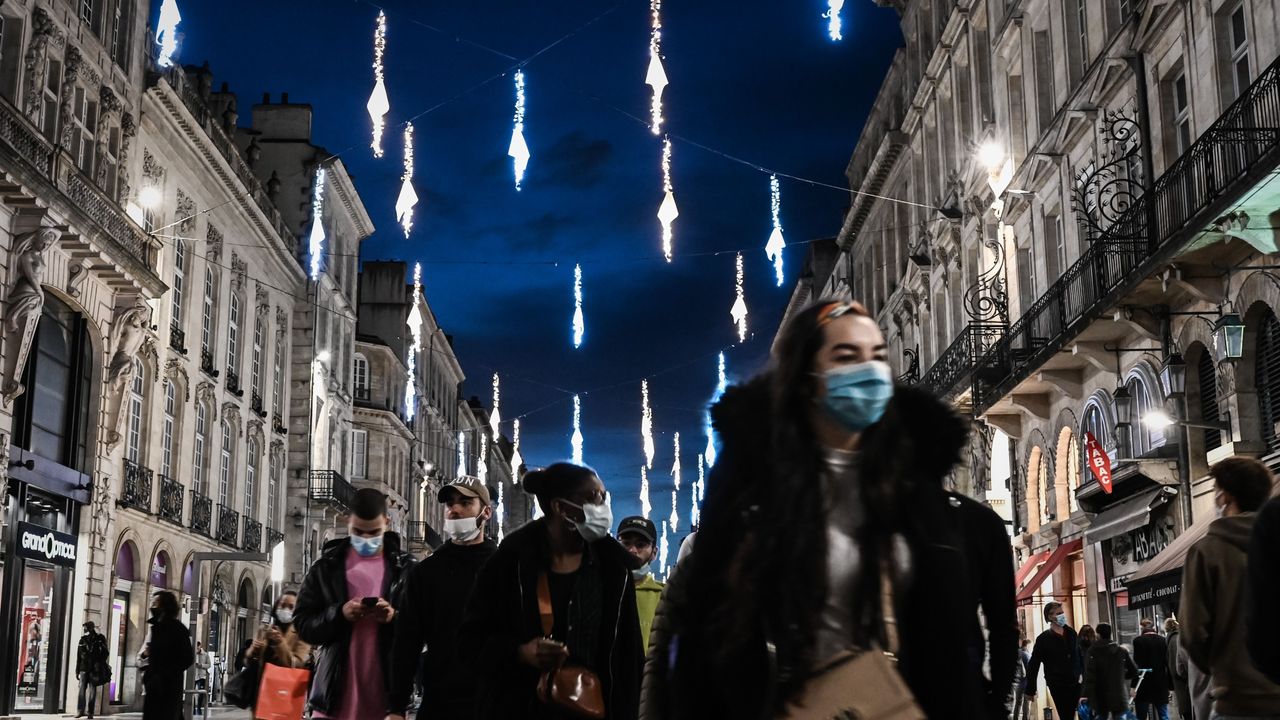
(755, 79)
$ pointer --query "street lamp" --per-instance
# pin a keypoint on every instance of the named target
(150, 197)
(1124, 417)
(1174, 374)
(991, 155)
(1228, 337)
(1159, 419)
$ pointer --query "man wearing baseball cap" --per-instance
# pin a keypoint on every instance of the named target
(435, 596)
(640, 537)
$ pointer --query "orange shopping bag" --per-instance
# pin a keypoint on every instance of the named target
(283, 693)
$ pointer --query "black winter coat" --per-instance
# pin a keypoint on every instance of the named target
(1151, 652)
(319, 620)
(503, 614)
(1108, 673)
(91, 656)
(1060, 656)
(434, 600)
(1264, 591)
(960, 555)
(169, 654)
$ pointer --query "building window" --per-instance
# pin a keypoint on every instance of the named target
(111, 163)
(167, 434)
(277, 374)
(224, 470)
(1017, 118)
(49, 101)
(1096, 423)
(1181, 115)
(84, 121)
(251, 479)
(133, 446)
(361, 376)
(179, 278)
(1026, 276)
(1238, 43)
(206, 316)
(1208, 388)
(202, 430)
(1046, 98)
(120, 23)
(51, 419)
(273, 487)
(257, 357)
(1055, 246)
(233, 334)
(359, 460)
(1267, 380)
(1077, 33)
(86, 12)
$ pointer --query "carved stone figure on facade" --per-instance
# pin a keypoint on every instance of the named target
(128, 129)
(24, 303)
(130, 331)
(108, 114)
(185, 210)
(213, 238)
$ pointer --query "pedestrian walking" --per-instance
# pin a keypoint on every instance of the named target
(277, 643)
(432, 606)
(91, 668)
(168, 654)
(345, 609)
(1108, 674)
(556, 604)
(1213, 595)
(1151, 653)
(640, 538)
(1176, 667)
(1020, 703)
(1057, 651)
(1085, 639)
(826, 532)
(1264, 589)
(202, 679)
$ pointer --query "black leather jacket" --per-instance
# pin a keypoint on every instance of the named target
(319, 621)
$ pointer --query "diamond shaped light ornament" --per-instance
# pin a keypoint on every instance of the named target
(519, 152)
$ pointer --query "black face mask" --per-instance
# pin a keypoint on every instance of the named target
(155, 614)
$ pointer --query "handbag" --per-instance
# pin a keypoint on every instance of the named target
(863, 685)
(282, 694)
(572, 689)
(242, 689)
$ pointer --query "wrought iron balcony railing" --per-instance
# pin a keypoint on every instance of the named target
(233, 383)
(252, 538)
(138, 484)
(171, 496)
(330, 487)
(228, 526)
(177, 337)
(1233, 154)
(255, 404)
(422, 533)
(274, 537)
(201, 514)
(277, 424)
(206, 363)
(948, 375)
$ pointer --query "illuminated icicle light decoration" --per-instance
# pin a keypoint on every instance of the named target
(646, 424)
(722, 378)
(723, 384)
(379, 105)
(656, 77)
(167, 32)
(834, 25)
(462, 453)
(699, 490)
(675, 511)
(576, 440)
(776, 244)
(519, 149)
(675, 468)
(501, 512)
(408, 198)
(516, 459)
(482, 462)
(645, 506)
(579, 323)
(663, 550)
(739, 311)
(667, 212)
(415, 331)
(315, 241)
(495, 419)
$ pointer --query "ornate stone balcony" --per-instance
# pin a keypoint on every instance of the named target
(139, 482)
(171, 497)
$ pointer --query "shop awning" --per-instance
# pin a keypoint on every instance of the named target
(1125, 516)
(1027, 593)
(1029, 565)
(1160, 578)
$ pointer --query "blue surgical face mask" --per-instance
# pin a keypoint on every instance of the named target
(366, 546)
(857, 395)
(1060, 620)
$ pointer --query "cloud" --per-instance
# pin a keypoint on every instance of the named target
(575, 160)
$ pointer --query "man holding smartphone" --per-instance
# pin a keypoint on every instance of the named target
(345, 609)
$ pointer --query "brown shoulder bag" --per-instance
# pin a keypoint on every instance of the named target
(574, 690)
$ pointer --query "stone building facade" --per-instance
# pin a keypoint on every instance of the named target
(1083, 222)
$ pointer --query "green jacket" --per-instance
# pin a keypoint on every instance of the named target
(648, 592)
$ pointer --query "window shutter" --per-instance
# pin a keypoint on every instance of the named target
(1209, 400)
(1267, 379)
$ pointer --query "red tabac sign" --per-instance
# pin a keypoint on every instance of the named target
(1098, 461)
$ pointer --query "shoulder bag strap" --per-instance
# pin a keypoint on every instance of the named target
(887, 612)
(544, 604)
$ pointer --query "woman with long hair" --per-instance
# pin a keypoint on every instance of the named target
(567, 572)
(277, 643)
(827, 531)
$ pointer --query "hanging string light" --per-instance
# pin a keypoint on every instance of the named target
(663, 550)
(667, 212)
(675, 468)
(675, 511)
(722, 378)
(516, 459)
(646, 424)
(576, 440)
(645, 507)
(776, 244)
(415, 331)
(519, 149)
(315, 240)
(495, 418)
(579, 323)
(834, 29)
(698, 491)
(462, 454)
(167, 32)
(657, 74)
(379, 105)
(739, 310)
(710, 453)
(408, 198)
(482, 463)
(501, 512)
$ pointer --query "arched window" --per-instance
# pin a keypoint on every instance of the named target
(224, 469)
(133, 450)
(251, 479)
(1267, 379)
(118, 33)
(273, 487)
(277, 374)
(179, 279)
(202, 433)
(167, 432)
(1144, 436)
(256, 375)
(1095, 422)
(1208, 386)
(361, 377)
(206, 320)
(233, 339)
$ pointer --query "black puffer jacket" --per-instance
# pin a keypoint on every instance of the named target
(961, 559)
(319, 621)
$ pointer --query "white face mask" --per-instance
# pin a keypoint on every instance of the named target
(462, 530)
(640, 573)
(284, 615)
(596, 523)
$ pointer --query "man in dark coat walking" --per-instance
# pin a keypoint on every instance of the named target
(91, 668)
(1151, 653)
(1057, 649)
(1108, 672)
(1264, 591)
(168, 654)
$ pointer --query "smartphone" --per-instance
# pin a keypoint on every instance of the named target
(369, 601)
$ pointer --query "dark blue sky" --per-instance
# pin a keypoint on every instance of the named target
(756, 79)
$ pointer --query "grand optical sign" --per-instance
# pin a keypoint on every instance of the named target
(41, 543)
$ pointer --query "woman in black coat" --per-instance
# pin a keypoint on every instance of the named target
(593, 599)
(828, 469)
(168, 654)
